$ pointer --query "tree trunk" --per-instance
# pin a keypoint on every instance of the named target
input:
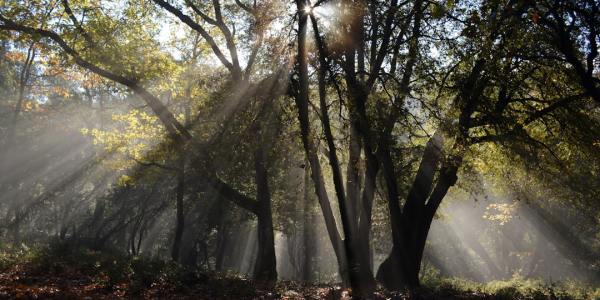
(23, 80)
(180, 222)
(222, 241)
(410, 225)
(265, 267)
(353, 179)
(409, 232)
(311, 149)
(364, 211)
(360, 227)
(308, 241)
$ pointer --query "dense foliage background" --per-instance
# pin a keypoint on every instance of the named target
(406, 145)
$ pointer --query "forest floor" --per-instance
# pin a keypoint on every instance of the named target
(90, 275)
(24, 281)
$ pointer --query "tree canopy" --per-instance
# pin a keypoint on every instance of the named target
(352, 141)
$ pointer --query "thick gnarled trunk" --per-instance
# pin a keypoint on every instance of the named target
(410, 224)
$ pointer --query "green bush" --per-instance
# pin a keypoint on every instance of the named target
(514, 288)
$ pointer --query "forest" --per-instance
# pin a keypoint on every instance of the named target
(305, 149)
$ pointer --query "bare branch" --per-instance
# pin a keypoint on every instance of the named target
(244, 7)
(204, 16)
(197, 27)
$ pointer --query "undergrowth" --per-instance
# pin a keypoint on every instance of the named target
(516, 287)
(153, 278)
(133, 275)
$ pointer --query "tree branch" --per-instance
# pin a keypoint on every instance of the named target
(197, 27)
(233, 195)
(204, 16)
(175, 129)
(77, 24)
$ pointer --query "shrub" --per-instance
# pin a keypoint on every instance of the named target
(515, 288)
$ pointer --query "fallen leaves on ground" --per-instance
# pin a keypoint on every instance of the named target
(22, 281)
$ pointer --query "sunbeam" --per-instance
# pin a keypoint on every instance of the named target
(303, 149)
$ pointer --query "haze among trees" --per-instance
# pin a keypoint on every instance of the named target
(388, 148)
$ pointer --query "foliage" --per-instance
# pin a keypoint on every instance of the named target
(299, 137)
(113, 276)
(514, 288)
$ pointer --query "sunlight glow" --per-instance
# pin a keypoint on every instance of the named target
(308, 9)
(156, 147)
(326, 14)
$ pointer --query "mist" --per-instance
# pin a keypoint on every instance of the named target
(300, 149)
